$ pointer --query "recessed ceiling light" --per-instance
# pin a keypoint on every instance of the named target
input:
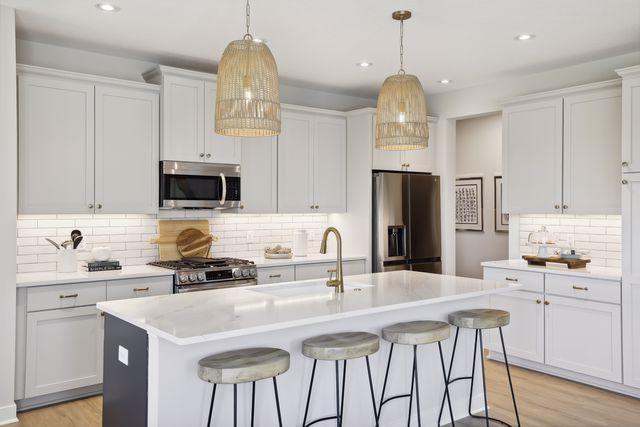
(107, 7)
(525, 37)
(444, 81)
(364, 64)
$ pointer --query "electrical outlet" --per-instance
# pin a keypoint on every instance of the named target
(123, 355)
(251, 237)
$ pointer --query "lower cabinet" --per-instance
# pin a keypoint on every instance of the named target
(63, 350)
(584, 336)
(281, 274)
(324, 269)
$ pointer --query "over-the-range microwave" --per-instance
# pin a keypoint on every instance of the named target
(195, 185)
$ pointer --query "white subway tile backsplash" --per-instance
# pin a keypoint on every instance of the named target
(129, 235)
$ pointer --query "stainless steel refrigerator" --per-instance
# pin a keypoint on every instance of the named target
(406, 222)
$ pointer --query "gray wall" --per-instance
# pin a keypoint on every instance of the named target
(479, 151)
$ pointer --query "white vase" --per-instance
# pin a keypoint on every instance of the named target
(67, 260)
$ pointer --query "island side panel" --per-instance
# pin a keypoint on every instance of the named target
(183, 399)
(125, 374)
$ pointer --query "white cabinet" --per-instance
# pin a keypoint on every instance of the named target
(411, 160)
(63, 350)
(259, 175)
(126, 150)
(312, 163)
(323, 270)
(138, 288)
(561, 151)
(56, 128)
(583, 336)
(592, 152)
(630, 119)
(217, 148)
(86, 144)
(524, 336)
(279, 274)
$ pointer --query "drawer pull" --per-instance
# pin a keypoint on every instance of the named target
(140, 289)
(511, 279)
(331, 271)
(580, 288)
(538, 301)
(274, 276)
(69, 296)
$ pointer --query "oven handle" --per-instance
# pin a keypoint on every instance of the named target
(223, 199)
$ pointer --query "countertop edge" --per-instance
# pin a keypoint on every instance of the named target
(522, 266)
(91, 277)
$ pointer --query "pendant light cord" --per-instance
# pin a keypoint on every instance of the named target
(248, 36)
(401, 71)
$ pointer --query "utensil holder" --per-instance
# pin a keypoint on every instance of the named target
(67, 260)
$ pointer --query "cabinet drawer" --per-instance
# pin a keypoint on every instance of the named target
(268, 275)
(65, 296)
(321, 270)
(143, 287)
(533, 282)
(584, 288)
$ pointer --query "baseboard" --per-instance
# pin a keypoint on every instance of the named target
(53, 398)
(568, 375)
(8, 414)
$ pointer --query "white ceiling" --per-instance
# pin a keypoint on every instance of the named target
(317, 43)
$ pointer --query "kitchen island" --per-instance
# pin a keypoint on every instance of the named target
(152, 347)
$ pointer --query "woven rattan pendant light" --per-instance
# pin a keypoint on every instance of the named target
(401, 111)
(248, 92)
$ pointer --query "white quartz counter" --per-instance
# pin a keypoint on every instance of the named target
(217, 314)
(603, 273)
(314, 258)
(55, 278)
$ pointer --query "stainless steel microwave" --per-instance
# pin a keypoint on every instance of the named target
(194, 185)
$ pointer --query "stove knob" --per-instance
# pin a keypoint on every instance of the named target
(193, 277)
(202, 277)
(237, 273)
(245, 272)
(183, 277)
(254, 272)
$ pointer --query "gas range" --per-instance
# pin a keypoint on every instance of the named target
(198, 274)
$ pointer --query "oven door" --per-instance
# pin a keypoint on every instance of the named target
(179, 289)
(199, 185)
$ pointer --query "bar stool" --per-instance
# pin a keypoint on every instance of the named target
(244, 366)
(415, 333)
(336, 347)
(480, 319)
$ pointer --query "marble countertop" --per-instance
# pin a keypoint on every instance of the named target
(197, 317)
(603, 273)
(313, 258)
(54, 278)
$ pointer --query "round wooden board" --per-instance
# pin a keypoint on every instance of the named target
(192, 242)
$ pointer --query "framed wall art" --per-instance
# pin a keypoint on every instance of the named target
(469, 203)
(501, 218)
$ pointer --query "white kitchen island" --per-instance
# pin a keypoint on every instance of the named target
(162, 338)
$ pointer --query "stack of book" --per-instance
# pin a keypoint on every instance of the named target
(101, 266)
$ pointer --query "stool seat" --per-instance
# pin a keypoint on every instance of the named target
(341, 346)
(417, 332)
(482, 318)
(244, 365)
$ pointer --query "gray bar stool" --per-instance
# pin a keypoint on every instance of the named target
(337, 347)
(244, 366)
(415, 333)
(480, 319)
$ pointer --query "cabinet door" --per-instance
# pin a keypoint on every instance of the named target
(592, 133)
(422, 160)
(330, 165)
(631, 124)
(383, 159)
(56, 126)
(631, 278)
(182, 119)
(259, 170)
(217, 148)
(524, 336)
(295, 164)
(584, 336)
(126, 161)
(63, 350)
(532, 157)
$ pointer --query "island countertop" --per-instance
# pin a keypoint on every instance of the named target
(198, 317)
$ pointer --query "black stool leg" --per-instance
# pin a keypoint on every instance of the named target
(213, 396)
(253, 401)
(413, 378)
(373, 396)
(275, 390)
(344, 380)
(484, 381)
(384, 385)
(415, 372)
(235, 405)
(446, 383)
(306, 410)
(448, 379)
(473, 374)
(338, 420)
(506, 364)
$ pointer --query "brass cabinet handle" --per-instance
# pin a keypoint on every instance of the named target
(580, 288)
(201, 154)
(273, 276)
(408, 165)
(538, 301)
(69, 296)
(565, 206)
(625, 182)
(511, 279)
(333, 270)
(140, 289)
(557, 206)
(90, 206)
(625, 164)
(547, 303)
(208, 156)
(311, 206)
(99, 206)
(317, 207)
(241, 206)
(102, 313)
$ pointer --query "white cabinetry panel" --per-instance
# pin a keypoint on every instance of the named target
(322, 270)
(217, 148)
(631, 124)
(259, 175)
(411, 160)
(295, 164)
(330, 159)
(268, 275)
(136, 288)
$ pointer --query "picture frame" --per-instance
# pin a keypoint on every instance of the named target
(501, 218)
(469, 203)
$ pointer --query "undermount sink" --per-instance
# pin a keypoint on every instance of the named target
(308, 288)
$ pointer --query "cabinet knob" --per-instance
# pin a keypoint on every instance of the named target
(90, 206)
(408, 165)
(317, 207)
(565, 206)
(538, 301)
(311, 206)
(241, 206)
(201, 154)
(625, 182)
(625, 164)
(208, 156)
(547, 303)
(99, 206)
(557, 206)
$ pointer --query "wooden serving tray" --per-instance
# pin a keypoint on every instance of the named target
(571, 263)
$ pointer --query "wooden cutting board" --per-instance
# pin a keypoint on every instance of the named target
(571, 263)
(168, 232)
(193, 243)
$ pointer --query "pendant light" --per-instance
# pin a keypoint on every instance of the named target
(401, 111)
(248, 92)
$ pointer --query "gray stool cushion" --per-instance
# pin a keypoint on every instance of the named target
(243, 366)
(341, 346)
(416, 333)
(482, 318)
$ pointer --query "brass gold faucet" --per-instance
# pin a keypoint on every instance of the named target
(338, 282)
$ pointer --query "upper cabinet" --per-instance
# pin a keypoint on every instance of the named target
(188, 118)
(630, 119)
(86, 144)
(412, 160)
(312, 165)
(561, 151)
(259, 175)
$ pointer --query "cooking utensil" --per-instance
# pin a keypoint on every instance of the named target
(65, 243)
(76, 238)
(192, 242)
(53, 243)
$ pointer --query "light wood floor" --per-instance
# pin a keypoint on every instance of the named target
(543, 400)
